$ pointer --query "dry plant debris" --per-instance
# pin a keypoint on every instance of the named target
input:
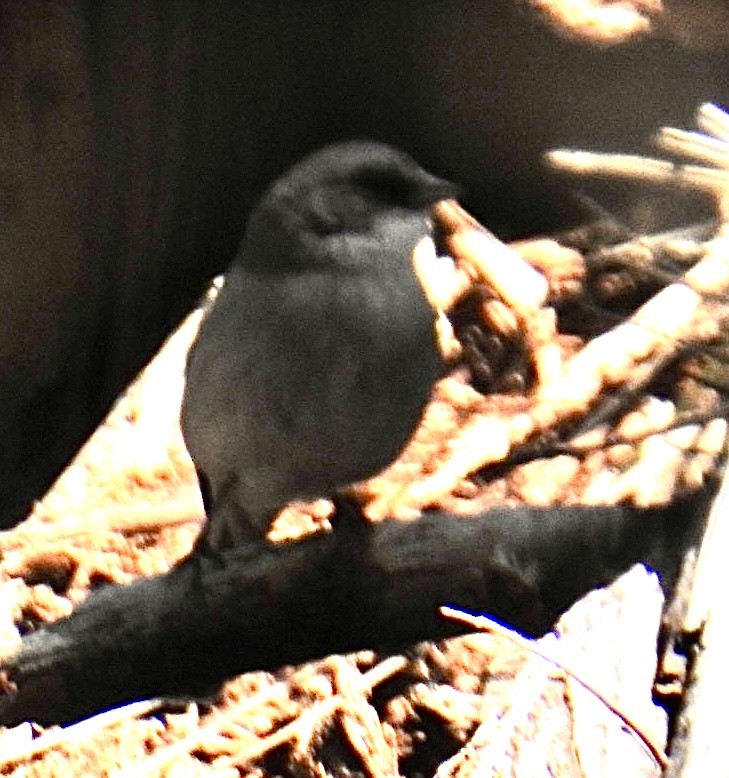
(693, 24)
(598, 22)
(580, 372)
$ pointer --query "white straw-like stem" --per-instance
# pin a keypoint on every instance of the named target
(704, 148)
(645, 169)
(714, 121)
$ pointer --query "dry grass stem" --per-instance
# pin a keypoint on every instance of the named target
(713, 121)
(710, 151)
(653, 171)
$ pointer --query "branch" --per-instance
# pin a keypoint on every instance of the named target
(362, 586)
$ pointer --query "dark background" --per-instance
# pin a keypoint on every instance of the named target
(135, 136)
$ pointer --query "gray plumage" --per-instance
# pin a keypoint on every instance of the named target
(314, 365)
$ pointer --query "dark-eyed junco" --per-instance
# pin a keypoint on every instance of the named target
(311, 372)
(315, 363)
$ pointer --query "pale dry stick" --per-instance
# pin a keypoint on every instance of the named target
(513, 279)
(653, 457)
(519, 286)
(644, 169)
(361, 723)
(453, 217)
(703, 148)
(540, 335)
(77, 732)
(443, 282)
(558, 263)
(458, 708)
(713, 436)
(306, 721)
(651, 480)
(484, 623)
(318, 712)
(484, 440)
(711, 119)
(127, 519)
(710, 276)
(674, 315)
(158, 760)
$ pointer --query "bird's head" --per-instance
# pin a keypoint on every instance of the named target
(344, 186)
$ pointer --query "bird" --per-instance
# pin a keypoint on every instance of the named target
(317, 359)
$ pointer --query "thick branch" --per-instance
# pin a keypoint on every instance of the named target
(363, 586)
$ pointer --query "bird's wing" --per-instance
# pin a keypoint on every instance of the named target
(314, 379)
